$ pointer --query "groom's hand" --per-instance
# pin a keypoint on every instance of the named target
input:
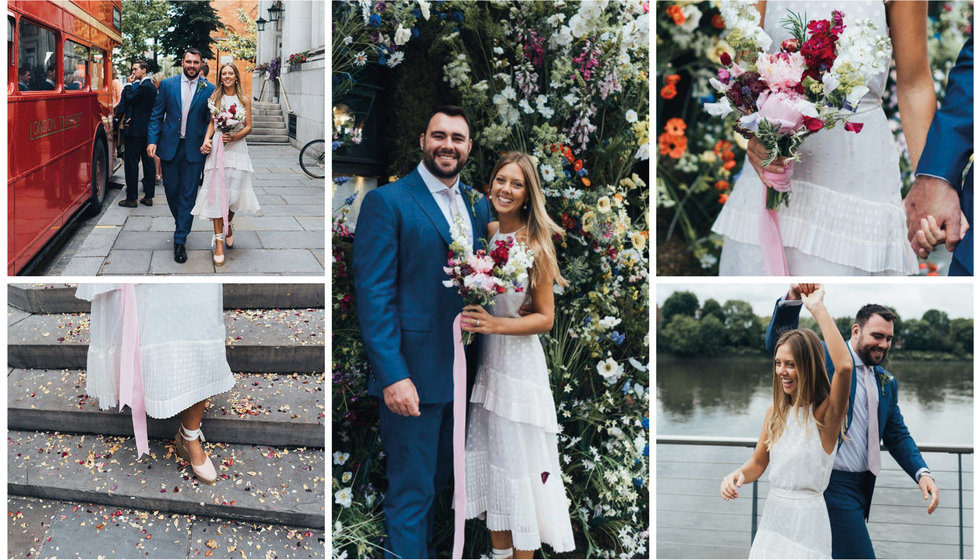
(401, 398)
(936, 197)
(928, 487)
(151, 150)
(798, 290)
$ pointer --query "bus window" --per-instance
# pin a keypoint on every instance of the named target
(76, 62)
(37, 68)
(98, 68)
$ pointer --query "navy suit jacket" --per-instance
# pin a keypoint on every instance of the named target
(891, 425)
(164, 128)
(949, 144)
(139, 106)
(401, 244)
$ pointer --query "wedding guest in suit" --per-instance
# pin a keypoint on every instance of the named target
(406, 316)
(140, 99)
(23, 78)
(177, 125)
(157, 78)
(873, 410)
(940, 189)
(51, 75)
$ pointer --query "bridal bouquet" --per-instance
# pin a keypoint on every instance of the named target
(227, 120)
(814, 82)
(479, 276)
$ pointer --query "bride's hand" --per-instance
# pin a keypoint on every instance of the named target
(757, 153)
(931, 234)
(206, 147)
(813, 299)
(477, 320)
(731, 483)
(226, 137)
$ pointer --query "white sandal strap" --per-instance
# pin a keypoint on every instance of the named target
(217, 237)
(502, 552)
(190, 435)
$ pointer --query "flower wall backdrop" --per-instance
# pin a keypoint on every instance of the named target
(699, 157)
(567, 82)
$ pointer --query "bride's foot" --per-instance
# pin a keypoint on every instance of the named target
(230, 238)
(188, 446)
(218, 243)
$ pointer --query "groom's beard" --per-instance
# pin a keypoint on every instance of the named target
(429, 160)
(864, 353)
(191, 76)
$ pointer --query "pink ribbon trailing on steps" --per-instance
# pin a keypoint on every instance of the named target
(219, 161)
(459, 437)
(131, 369)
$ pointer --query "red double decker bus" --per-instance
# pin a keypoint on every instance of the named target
(59, 118)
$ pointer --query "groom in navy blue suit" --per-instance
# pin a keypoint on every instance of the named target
(406, 314)
(856, 467)
(940, 189)
(176, 133)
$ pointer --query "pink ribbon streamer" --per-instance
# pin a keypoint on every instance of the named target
(773, 255)
(219, 161)
(459, 437)
(131, 369)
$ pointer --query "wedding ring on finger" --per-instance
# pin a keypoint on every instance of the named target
(478, 323)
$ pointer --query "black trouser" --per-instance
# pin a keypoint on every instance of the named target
(136, 152)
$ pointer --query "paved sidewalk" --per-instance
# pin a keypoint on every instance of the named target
(286, 238)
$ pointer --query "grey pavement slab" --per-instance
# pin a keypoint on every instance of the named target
(271, 261)
(86, 530)
(292, 202)
(60, 298)
(283, 485)
(15, 315)
(320, 255)
(270, 340)
(284, 240)
(269, 409)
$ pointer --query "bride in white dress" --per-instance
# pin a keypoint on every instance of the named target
(845, 214)
(799, 440)
(236, 169)
(512, 471)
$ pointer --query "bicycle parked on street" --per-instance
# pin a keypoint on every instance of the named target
(312, 159)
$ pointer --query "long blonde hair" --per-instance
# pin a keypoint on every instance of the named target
(220, 90)
(540, 226)
(812, 382)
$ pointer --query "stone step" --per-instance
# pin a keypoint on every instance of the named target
(60, 298)
(284, 485)
(39, 528)
(263, 139)
(262, 341)
(262, 409)
(267, 112)
(265, 105)
(263, 117)
(267, 131)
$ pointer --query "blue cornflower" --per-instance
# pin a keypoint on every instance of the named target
(415, 33)
(335, 145)
(617, 338)
(645, 423)
(374, 20)
(458, 16)
(646, 450)
(638, 482)
(350, 199)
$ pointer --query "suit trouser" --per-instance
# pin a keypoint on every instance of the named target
(180, 184)
(134, 154)
(848, 498)
(419, 452)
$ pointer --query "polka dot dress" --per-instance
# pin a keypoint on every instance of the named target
(513, 474)
(182, 344)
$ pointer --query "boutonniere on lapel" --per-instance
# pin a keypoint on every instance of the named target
(884, 378)
(200, 85)
(472, 196)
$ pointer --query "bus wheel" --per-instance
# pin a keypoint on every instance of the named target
(100, 179)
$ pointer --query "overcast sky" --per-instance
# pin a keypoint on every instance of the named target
(911, 300)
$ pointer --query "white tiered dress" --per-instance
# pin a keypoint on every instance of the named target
(845, 214)
(512, 469)
(795, 523)
(182, 344)
(238, 178)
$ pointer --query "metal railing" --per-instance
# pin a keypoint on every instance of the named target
(285, 95)
(959, 450)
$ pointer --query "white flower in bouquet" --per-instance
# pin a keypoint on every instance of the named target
(862, 53)
(402, 35)
(742, 19)
(424, 8)
(339, 457)
(610, 370)
(692, 17)
(344, 496)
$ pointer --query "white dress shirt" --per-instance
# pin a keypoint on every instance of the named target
(437, 188)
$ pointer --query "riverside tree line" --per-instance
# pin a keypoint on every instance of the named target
(687, 326)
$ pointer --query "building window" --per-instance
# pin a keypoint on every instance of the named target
(116, 19)
(76, 66)
(37, 67)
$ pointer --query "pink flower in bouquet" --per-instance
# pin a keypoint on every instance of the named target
(782, 108)
(812, 124)
(782, 71)
(480, 263)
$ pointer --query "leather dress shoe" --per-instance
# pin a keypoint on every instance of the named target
(180, 253)
(128, 203)
(146, 201)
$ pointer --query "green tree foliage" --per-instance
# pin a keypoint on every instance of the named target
(742, 327)
(143, 22)
(961, 336)
(711, 332)
(240, 46)
(844, 325)
(683, 335)
(917, 335)
(192, 23)
(679, 303)
(712, 307)
(939, 327)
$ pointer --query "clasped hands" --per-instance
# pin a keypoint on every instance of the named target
(206, 147)
(934, 217)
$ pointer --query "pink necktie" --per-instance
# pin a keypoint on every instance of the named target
(874, 447)
(451, 195)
